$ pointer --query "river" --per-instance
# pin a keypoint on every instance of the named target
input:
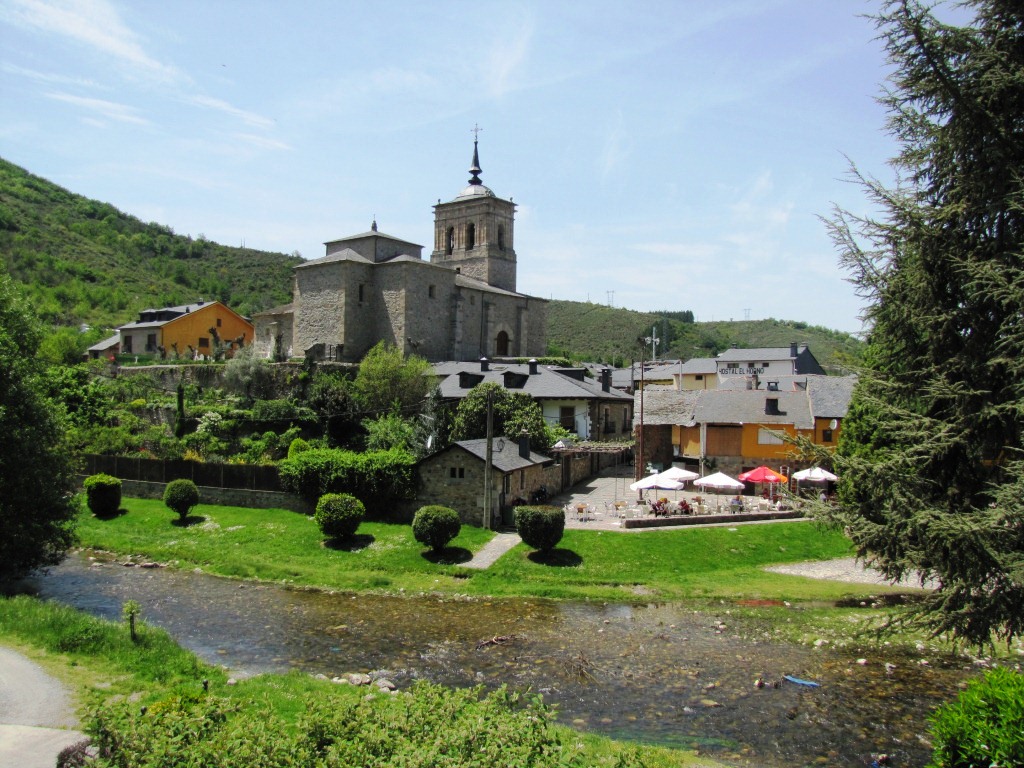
(649, 672)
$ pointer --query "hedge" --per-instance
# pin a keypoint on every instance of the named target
(379, 478)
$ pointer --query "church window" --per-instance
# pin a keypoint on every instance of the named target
(430, 291)
(449, 238)
(472, 301)
(501, 343)
(470, 237)
(501, 238)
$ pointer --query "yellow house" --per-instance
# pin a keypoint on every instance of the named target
(203, 329)
(740, 427)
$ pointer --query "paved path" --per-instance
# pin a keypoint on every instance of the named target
(502, 542)
(35, 714)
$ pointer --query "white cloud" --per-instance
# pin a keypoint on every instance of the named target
(219, 105)
(262, 142)
(508, 53)
(614, 152)
(48, 77)
(111, 110)
(95, 23)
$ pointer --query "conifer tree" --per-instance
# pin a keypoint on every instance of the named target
(931, 451)
(37, 507)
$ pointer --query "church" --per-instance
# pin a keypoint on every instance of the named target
(461, 305)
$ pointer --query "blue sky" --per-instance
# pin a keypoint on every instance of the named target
(678, 154)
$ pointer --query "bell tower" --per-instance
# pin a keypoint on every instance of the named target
(474, 233)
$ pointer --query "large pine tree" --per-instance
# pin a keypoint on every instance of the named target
(37, 509)
(931, 452)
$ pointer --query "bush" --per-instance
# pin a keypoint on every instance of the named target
(376, 477)
(435, 526)
(181, 496)
(540, 527)
(102, 494)
(984, 726)
(297, 446)
(339, 515)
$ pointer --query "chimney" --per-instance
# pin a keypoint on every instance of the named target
(606, 379)
(792, 349)
(524, 444)
(533, 366)
(485, 364)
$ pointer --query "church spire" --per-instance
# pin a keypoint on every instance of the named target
(475, 170)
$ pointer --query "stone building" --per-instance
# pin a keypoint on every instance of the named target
(462, 304)
(454, 477)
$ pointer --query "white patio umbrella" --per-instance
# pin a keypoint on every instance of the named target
(678, 474)
(814, 475)
(655, 481)
(719, 481)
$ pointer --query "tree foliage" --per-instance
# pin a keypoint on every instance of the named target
(512, 412)
(390, 382)
(36, 476)
(930, 455)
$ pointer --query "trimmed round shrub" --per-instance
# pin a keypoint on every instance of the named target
(181, 496)
(435, 526)
(983, 725)
(297, 446)
(102, 494)
(540, 527)
(338, 515)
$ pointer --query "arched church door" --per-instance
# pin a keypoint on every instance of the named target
(501, 344)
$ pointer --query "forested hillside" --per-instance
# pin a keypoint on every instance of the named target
(85, 261)
(602, 333)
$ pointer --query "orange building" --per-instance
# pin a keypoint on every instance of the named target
(745, 424)
(204, 329)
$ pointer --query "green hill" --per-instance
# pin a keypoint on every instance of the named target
(81, 260)
(600, 333)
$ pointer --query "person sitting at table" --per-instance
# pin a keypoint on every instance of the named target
(736, 502)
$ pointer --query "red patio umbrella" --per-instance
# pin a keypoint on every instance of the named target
(763, 474)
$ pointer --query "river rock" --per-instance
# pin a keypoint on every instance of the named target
(384, 684)
(709, 703)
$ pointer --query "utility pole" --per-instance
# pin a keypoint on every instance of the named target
(489, 455)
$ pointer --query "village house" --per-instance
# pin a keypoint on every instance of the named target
(454, 477)
(589, 409)
(193, 330)
(462, 304)
(741, 424)
(765, 363)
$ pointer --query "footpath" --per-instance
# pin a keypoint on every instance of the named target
(36, 718)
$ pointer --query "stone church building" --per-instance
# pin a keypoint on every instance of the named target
(460, 305)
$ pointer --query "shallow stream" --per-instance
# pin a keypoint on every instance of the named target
(649, 672)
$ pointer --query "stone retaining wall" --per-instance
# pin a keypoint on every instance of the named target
(231, 497)
(746, 517)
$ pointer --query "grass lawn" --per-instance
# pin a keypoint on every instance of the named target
(282, 546)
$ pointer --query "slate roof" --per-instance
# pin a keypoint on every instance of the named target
(547, 384)
(282, 309)
(373, 233)
(755, 354)
(169, 313)
(825, 397)
(504, 454)
(103, 346)
(345, 254)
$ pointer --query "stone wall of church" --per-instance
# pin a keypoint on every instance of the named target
(319, 305)
(430, 296)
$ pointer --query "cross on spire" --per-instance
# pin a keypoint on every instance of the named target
(475, 169)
